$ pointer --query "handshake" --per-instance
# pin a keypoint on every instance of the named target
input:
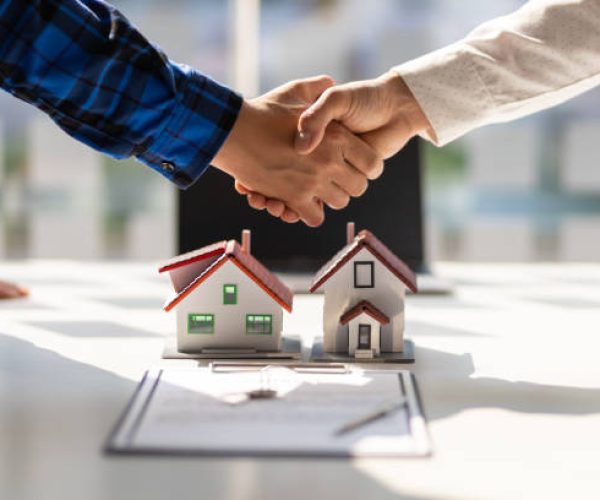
(310, 143)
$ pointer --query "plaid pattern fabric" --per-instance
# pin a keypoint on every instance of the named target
(85, 65)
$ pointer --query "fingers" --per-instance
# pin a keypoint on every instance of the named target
(311, 213)
(257, 201)
(351, 162)
(289, 216)
(240, 188)
(11, 291)
(334, 196)
(351, 180)
(362, 157)
(333, 104)
(388, 140)
(275, 207)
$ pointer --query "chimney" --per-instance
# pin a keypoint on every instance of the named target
(349, 232)
(246, 240)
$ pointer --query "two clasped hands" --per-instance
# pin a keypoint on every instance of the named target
(310, 143)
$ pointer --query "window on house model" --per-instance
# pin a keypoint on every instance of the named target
(259, 324)
(201, 323)
(364, 276)
(229, 294)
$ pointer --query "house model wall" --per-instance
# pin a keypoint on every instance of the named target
(366, 282)
(226, 300)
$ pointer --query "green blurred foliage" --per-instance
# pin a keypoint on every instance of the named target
(444, 166)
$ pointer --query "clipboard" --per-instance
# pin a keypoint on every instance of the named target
(185, 412)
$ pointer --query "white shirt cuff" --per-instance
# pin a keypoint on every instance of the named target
(449, 90)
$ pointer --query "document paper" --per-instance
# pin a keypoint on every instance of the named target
(199, 411)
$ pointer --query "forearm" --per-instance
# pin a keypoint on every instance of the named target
(537, 57)
(98, 78)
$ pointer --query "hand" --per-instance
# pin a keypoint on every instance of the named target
(382, 110)
(275, 207)
(259, 153)
(10, 291)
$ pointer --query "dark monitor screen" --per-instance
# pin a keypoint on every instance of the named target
(211, 211)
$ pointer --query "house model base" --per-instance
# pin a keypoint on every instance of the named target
(406, 356)
(291, 349)
(227, 304)
(364, 287)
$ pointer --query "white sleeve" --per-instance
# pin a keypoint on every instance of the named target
(539, 56)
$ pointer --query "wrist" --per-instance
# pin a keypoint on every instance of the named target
(403, 102)
(228, 158)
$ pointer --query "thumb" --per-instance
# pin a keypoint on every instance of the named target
(331, 105)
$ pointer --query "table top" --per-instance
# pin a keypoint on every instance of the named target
(508, 367)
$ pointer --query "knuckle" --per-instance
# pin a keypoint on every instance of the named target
(329, 93)
(253, 202)
(333, 94)
(318, 219)
(376, 169)
(335, 134)
(339, 203)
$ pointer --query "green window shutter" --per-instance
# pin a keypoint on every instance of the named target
(229, 294)
(259, 324)
(201, 323)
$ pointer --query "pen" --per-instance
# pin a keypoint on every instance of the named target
(370, 417)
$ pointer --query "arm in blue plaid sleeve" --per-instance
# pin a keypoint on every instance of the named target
(100, 80)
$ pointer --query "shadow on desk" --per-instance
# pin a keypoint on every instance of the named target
(55, 414)
(448, 387)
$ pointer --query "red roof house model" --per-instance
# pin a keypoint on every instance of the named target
(188, 271)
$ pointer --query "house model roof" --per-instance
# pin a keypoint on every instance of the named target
(195, 256)
(206, 260)
(364, 306)
(366, 239)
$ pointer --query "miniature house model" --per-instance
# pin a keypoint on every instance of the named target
(226, 299)
(364, 285)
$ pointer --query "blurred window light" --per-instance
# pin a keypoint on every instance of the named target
(535, 182)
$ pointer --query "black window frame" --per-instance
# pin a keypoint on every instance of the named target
(372, 266)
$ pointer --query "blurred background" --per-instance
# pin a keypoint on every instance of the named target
(527, 191)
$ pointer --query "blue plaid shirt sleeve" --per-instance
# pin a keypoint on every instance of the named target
(85, 65)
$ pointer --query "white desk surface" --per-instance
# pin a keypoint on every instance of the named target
(508, 366)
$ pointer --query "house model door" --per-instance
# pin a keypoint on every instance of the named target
(364, 336)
